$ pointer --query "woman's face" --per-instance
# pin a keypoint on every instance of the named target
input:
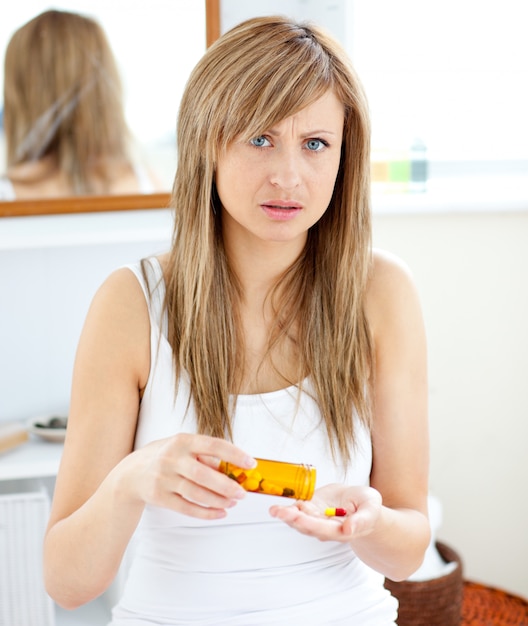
(274, 187)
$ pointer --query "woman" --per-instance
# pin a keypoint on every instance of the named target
(64, 118)
(270, 330)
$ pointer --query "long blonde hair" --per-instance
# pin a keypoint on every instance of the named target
(254, 76)
(63, 97)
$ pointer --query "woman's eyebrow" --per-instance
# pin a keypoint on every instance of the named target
(310, 133)
(322, 131)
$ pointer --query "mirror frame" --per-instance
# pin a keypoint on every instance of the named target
(92, 204)
(83, 204)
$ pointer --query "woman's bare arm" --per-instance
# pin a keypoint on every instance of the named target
(387, 525)
(90, 525)
(400, 428)
(103, 485)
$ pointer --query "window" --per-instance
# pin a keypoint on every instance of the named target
(453, 74)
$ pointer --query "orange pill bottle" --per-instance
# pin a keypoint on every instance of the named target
(275, 478)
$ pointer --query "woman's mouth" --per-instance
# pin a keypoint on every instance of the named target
(281, 209)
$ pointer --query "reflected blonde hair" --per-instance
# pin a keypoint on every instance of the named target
(254, 76)
(63, 97)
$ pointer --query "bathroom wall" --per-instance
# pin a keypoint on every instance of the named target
(472, 273)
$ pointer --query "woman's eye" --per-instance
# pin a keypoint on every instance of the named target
(315, 145)
(260, 142)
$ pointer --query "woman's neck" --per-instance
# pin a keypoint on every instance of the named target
(259, 264)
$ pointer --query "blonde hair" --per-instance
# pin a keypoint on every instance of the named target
(63, 97)
(254, 76)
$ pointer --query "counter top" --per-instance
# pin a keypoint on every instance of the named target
(35, 458)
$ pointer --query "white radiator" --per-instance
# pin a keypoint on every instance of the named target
(24, 510)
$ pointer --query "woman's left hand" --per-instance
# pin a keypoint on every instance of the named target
(362, 505)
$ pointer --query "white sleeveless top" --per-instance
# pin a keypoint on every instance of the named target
(7, 191)
(248, 568)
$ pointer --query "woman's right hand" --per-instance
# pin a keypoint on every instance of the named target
(181, 473)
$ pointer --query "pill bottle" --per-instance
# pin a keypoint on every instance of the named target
(419, 166)
(275, 478)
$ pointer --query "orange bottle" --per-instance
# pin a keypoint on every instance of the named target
(276, 478)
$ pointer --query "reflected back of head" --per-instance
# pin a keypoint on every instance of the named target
(63, 97)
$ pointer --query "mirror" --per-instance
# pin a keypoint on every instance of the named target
(156, 43)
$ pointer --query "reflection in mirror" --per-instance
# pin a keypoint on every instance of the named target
(68, 125)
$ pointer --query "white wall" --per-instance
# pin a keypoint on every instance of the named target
(471, 272)
(50, 268)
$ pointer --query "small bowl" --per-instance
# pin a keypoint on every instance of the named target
(48, 427)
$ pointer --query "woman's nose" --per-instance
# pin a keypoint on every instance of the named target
(286, 170)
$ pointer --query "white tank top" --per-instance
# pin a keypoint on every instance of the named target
(7, 192)
(247, 569)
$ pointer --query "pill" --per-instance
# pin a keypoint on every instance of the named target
(335, 512)
(250, 484)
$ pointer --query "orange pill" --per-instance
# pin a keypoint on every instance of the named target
(251, 484)
(270, 488)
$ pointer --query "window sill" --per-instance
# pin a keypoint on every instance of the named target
(456, 195)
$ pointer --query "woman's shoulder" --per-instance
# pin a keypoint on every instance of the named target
(140, 286)
(134, 282)
(388, 267)
(120, 294)
(118, 323)
(391, 291)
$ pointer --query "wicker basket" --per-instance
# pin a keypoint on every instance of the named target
(436, 602)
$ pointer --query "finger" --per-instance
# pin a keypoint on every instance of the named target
(177, 503)
(315, 525)
(196, 458)
(170, 490)
(211, 461)
(213, 449)
(292, 516)
(210, 497)
(204, 484)
(364, 519)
